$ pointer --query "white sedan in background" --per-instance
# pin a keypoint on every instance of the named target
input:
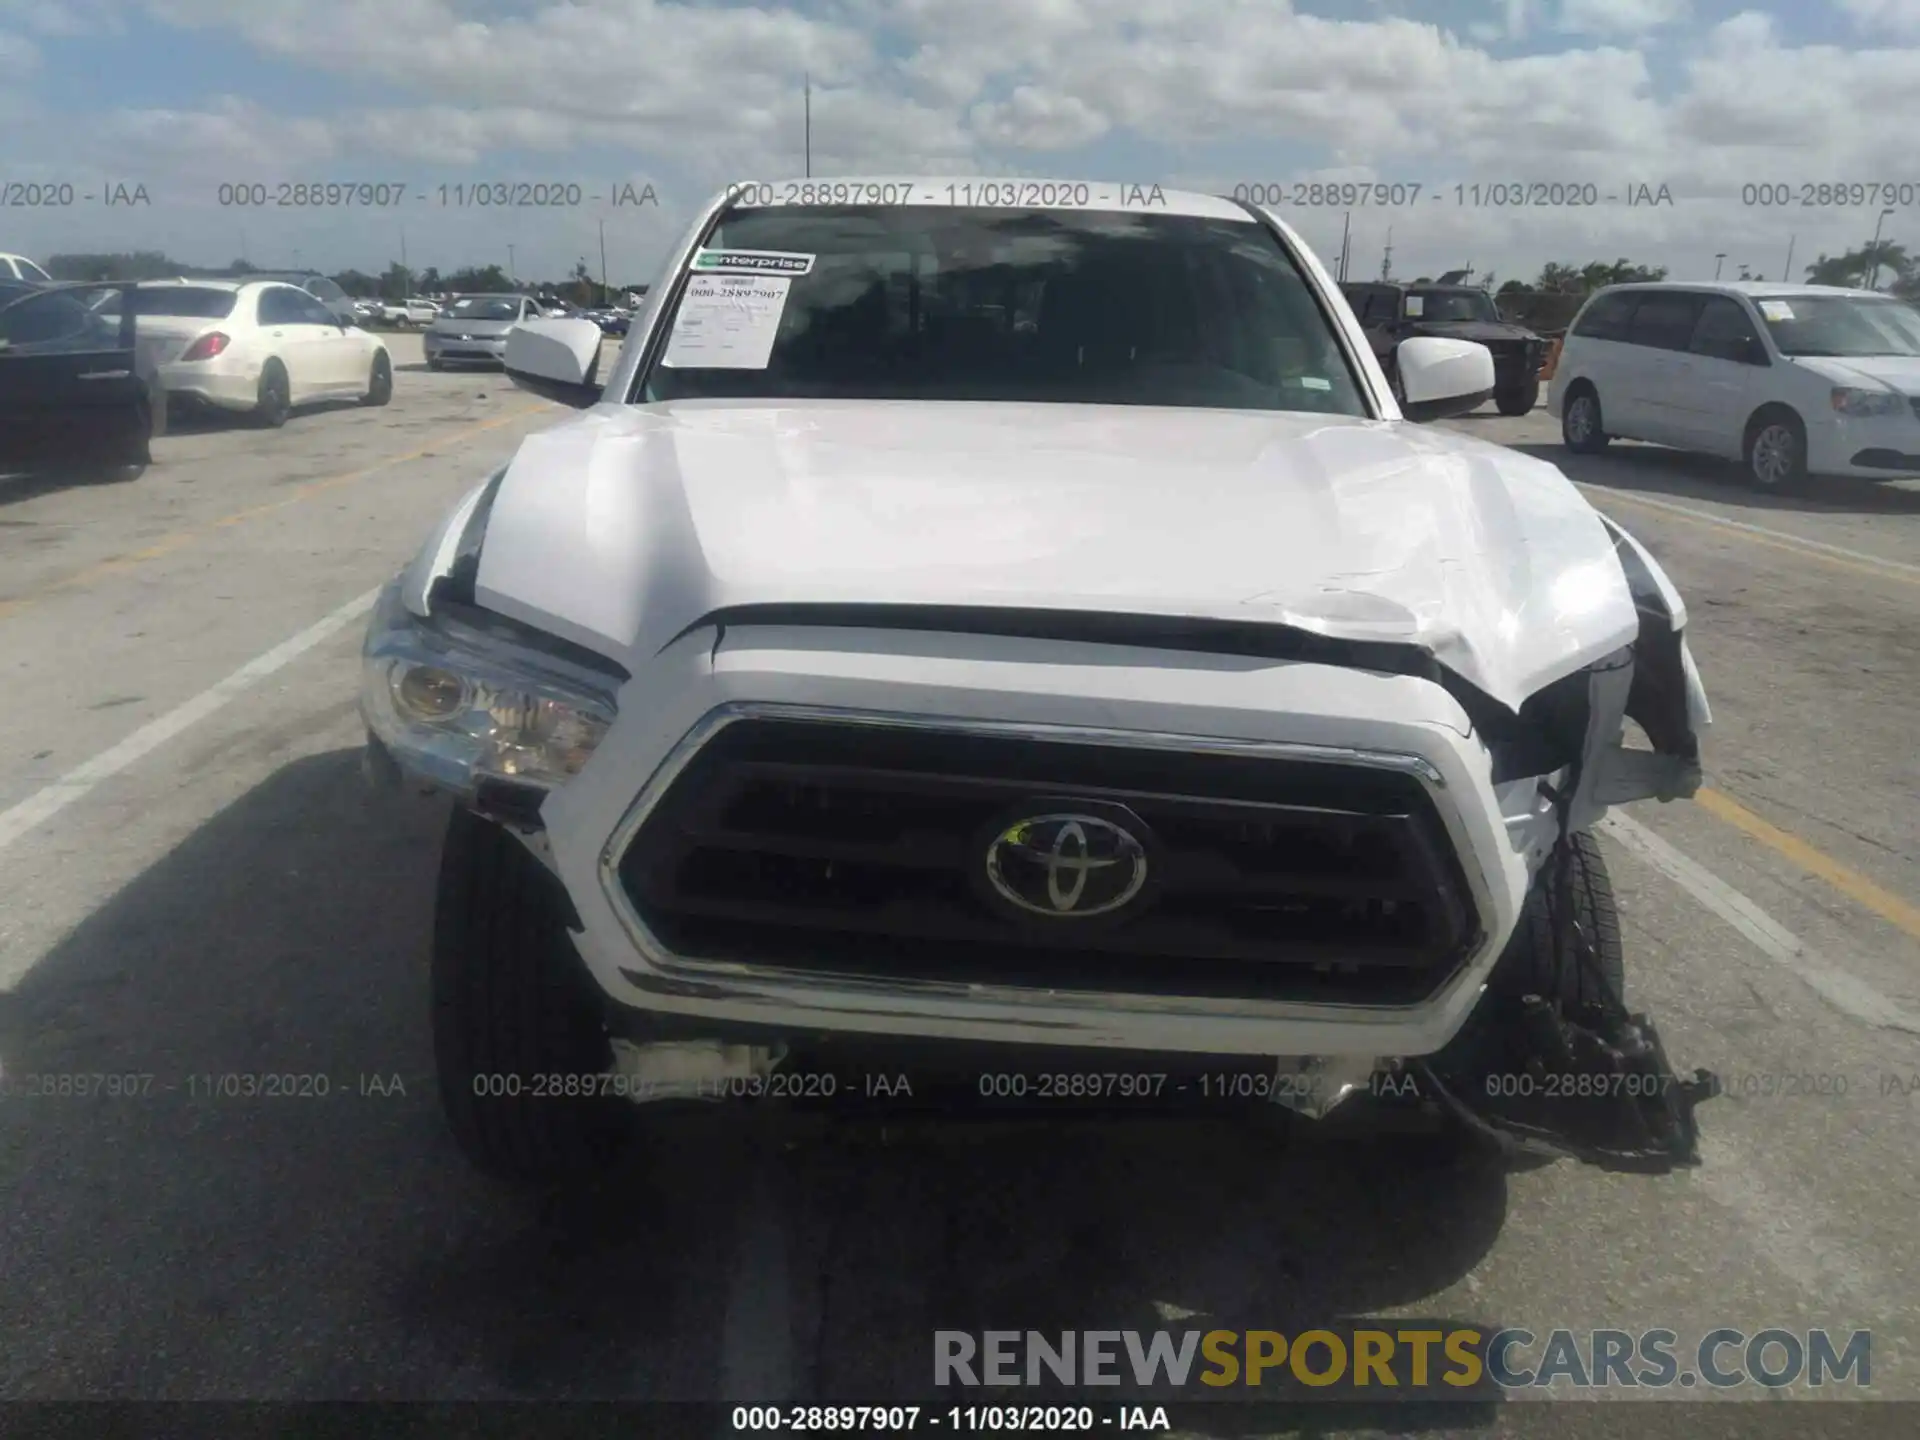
(259, 348)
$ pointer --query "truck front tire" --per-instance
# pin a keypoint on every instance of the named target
(517, 1020)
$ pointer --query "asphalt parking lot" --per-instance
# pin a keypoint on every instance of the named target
(197, 883)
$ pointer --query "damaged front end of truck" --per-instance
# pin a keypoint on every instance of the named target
(1589, 1081)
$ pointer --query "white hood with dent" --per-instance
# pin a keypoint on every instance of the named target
(622, 528)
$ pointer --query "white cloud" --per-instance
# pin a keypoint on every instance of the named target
(62, 17)
(696, 95)
(1900, 18)
(1620, 17)
(19, 56)
(1032, 119)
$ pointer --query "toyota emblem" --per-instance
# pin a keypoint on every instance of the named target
(1070, 866)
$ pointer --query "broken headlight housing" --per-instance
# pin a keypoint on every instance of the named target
(458, 701)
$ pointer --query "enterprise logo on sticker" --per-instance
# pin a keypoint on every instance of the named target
(753, 262)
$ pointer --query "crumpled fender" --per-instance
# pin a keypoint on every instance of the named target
(1656, 684)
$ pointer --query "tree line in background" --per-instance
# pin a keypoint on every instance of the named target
(1883, 264)
(1877, 265)
(397, 282)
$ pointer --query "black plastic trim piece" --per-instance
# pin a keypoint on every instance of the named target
(457, 585)
(515, 632)
(1505, 732)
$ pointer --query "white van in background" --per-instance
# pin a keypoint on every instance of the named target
(1791, 380)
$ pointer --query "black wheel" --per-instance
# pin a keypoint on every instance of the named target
(514, 1006)
(1538, 961)
(1519, 400)
(275, 401)
(380, 381)
(1582, 426)
(1776, 450)
(99, 474)
(1533, 962)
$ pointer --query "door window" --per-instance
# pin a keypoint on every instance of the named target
(56, 322)
(312, 312)
(1664, 320)
(1606, 318)
(280, 306)
(1724, 331)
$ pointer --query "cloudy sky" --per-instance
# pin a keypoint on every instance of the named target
(1706, 98)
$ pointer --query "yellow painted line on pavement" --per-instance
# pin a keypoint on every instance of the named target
(1849, 882)
(167, 544)
(1808, 550)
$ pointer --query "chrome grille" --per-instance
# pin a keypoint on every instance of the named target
(820, 846)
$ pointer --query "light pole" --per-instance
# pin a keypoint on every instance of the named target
(1786, 271)
(512, 271)
(808, 82)
(1874, 249)
(1718, 261)
(603, 262)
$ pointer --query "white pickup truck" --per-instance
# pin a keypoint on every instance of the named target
(408, 312)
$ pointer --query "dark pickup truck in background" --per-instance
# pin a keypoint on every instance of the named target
(1391, 312)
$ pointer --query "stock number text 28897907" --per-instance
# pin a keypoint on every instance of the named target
(982, 194)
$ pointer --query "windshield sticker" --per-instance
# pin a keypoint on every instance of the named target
(1315, 382)
(727, 322)
(1416, 306)
(1776, 310)
(753, 262)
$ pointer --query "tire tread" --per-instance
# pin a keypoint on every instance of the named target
(510, 997)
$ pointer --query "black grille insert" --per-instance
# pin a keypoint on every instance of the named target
(860, 849)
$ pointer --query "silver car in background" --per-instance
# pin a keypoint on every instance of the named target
(473, 329)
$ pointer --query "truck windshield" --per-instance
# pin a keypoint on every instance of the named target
(947, 303)
(1451, 305)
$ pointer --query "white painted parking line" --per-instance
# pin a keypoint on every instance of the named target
(1847, 994)
(50, 800)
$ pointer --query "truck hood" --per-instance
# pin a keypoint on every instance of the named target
(621, 529)
(1481, 332)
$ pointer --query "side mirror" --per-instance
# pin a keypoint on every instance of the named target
(556, 360)
(1443, 377)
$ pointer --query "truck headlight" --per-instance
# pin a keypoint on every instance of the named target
(1855, 400)
(456, 703)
